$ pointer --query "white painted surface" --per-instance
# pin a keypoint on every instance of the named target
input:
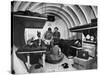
(18, 65)
(29, 33)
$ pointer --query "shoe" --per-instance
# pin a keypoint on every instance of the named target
(38, 66)
(65, 65)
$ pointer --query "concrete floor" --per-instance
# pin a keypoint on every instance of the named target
(55, 67)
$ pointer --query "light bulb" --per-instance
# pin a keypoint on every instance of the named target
(92, 38)
(88, 37)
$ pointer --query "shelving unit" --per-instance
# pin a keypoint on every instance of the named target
(83, 28)
(88, 44)
(87, 29)
(31, 17)
(31, 21)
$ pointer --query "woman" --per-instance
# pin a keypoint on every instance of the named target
(48, 36)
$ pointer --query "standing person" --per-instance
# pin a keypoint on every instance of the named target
(48, 36)
(56, 35)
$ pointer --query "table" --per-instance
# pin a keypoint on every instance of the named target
(76, 47)
(74, 50)
(27, 50)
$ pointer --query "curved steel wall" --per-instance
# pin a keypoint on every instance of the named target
(72, 15)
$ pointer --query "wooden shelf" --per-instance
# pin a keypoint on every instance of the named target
(30, 21)
(90, 42)
(33, 17)
(84, 27)
(31, 52)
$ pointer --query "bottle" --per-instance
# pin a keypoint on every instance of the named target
(39, 42)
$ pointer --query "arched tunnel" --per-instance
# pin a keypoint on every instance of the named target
(66, 16)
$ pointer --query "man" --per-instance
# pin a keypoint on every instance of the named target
(56, 35)
(38, 42)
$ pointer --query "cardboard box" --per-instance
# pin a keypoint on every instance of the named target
(82, 64)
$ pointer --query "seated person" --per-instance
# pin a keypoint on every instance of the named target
(37, 43)
(34, 58)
